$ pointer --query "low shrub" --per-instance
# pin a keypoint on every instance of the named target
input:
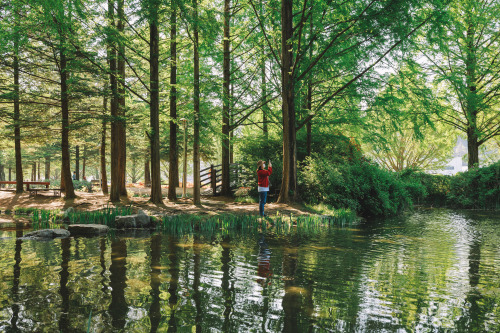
(476, 188)
(426, 189)
(362, 186)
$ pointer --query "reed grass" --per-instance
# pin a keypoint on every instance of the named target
(283, 224)
(104, 216)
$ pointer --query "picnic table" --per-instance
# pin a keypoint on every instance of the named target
(35, 191)
(47, 184)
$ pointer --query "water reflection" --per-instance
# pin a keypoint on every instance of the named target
(173, 257)
(63, 285)
(431, 271)
(118, 307)
(154, 309)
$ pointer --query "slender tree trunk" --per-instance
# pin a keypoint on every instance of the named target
(65, 167)
(38, 171)
(226, 100)
(122, 144)
(47, 167)
(309, 125)
(156, 195)
(265, 108)
(289, 179)
(104, 177)
(173, 171)
(77, 162)
(115, 134)
(196, 106)
(17, 123)
(10, 174)
(84, 162)
(147, 174)
(33, 171)
(471, 100)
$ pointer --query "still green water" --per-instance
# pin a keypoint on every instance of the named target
(430, 271)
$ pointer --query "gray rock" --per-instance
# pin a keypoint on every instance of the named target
(88, 229)
(139, 221)
(125, 222)
(142, 220)
(46, 234)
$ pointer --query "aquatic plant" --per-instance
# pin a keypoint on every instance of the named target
(186, 223)
(105, 216)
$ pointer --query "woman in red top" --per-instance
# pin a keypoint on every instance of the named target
(263, 179)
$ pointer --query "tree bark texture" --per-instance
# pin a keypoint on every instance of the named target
(66, 167)
(309, 125)
(104, 177)
(196, 107)
(156, 195)
(77, 162)
(288, 189)
(226, 67)
(84, 162)
(173, 170)
(115, 132)
(147, 174)
(471, 100)
(17, 124)
(122, 144)
(47, 167)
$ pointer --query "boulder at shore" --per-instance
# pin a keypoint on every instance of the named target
(46, 234)
(87, 229)
(137, 221)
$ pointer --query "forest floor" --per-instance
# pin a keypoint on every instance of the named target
(138, 199)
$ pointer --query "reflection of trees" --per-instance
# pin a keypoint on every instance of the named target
(118, 307)
(173, 257)
(154, 309)
(63, 288)
(227, 286)
(196, 282)
(292, 299)
(473, 318)
(15, 282)
(102, 260)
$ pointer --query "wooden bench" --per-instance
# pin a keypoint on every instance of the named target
(46, 184)
(35, 191)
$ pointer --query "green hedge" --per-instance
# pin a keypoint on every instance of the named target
(360, 185)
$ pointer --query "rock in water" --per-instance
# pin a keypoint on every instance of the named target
(46, 234)
(88, 229)
(140, 221)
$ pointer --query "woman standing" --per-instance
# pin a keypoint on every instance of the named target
(263, 179)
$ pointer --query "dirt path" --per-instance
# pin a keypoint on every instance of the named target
(95, 201)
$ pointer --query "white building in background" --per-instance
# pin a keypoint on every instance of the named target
(457, 163)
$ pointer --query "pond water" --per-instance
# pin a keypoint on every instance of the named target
(430, 271)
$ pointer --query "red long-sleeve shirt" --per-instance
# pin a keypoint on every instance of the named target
(263, 176)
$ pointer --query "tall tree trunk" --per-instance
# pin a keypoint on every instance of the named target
(471, 100)
(77, 162)
(115, 134)
(122, 145)
(265, 108)
(84, 164)
(196, 106)
(17, 124)
(309, 125)
(173, 170)
(289, 179)
(10, 174)
(33, 171)
(154, 50)
(225, 190)
(65, 167)
(147, 174)
(47, 167)
(104, 177)
(38, 171)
